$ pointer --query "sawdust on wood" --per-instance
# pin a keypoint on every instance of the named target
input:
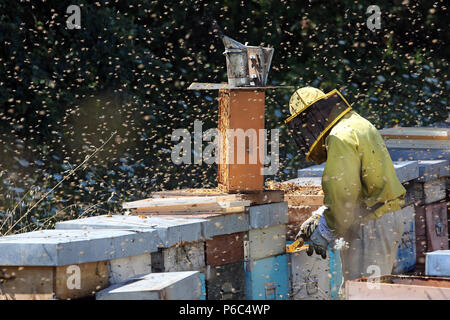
(294, 189)
(189, 192)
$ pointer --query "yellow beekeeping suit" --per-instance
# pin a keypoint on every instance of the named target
(359, 173)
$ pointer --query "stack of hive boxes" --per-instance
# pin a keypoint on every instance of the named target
(243, 251)
(406, 172)
(425, 209)
(431, 208)
(413, 143)
(85, 255)
(309, 277)
(209, 243)
(266, 263)
(223, 250)
(432, 146)
(179, 248)
(315, 278)
(67, 264)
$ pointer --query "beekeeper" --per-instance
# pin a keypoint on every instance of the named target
(361, 190)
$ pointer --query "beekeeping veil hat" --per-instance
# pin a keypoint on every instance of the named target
(313, 114)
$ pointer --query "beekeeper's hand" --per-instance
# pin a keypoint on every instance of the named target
(318, 244)
(308, 227)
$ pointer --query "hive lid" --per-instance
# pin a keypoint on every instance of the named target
(66, 247)
(219, 86)
(414, 133)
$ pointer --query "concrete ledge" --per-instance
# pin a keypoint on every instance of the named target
(66, 247)
(156, 286)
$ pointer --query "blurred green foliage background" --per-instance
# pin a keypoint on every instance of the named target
(64, 92)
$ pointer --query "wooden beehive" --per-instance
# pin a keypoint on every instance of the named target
(241, 110)
(410, 137)
(398, 287)
(431, 225)
(302, 201)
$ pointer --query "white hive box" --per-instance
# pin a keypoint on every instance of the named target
(156, 286)
(437, 263)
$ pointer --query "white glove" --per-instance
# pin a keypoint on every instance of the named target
(316, 221)
(310, 225)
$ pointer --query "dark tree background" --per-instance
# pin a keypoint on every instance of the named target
(64, 92)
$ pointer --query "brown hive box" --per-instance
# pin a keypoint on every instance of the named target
(302, 202)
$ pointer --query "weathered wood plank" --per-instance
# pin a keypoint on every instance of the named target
(145, 211)
(255, 198)
(26, 283)
(241, 110)
(182, 202)
(436, 226)
(267, 279)
(304, 200)
(79, 281)
(225, 249)
(388, 288)
(49, 282)
(215, 224)
(299, 214)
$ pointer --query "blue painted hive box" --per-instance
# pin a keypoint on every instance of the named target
(267, 279)
(406, 254)
(437, 263)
